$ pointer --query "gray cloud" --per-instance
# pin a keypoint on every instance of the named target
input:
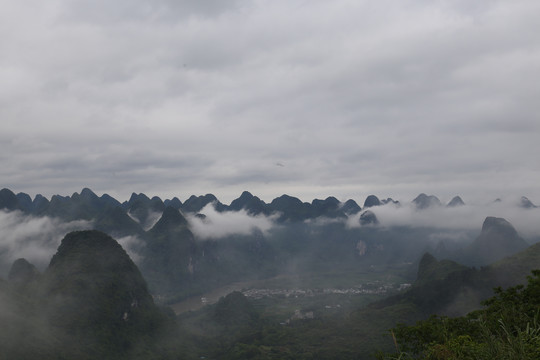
(181, 97)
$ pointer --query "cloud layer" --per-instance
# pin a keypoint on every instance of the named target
(33, 238)
(452, 220)
(219, 225)
(181, 97)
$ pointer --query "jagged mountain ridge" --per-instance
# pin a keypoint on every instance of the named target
(174, 259)
(146, 211)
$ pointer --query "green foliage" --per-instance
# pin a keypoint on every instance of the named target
(507, 328)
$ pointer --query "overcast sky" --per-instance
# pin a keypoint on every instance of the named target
(309, 98)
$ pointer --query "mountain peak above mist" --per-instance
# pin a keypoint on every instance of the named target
(368, 218)
(170, 220)
(390, 201)
(497, 240)
(424, 201)
(372, 200)
(8, 199)
(195, 204)
(329, 207)
(239, 203)
(351, 207)
(456, 201)
(252, 204)
(526, 203)
(291, 208)
(499, 225)
(174, 202)
(93, 286)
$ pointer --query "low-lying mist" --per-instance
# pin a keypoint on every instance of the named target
(33, 238)
(133, 245)
(221, 224)
(466, 217)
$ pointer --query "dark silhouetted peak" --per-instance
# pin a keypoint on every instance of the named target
(497, 240)
(60, 198)
(93, 286)
(424, 201)
(170, 253)
(329, 207)
(83, 206)
(86, 193)
(156, 199)
(371, 200)
(79, 247)
(498, 225)
(22, 272)
(350, 207)
(456, 201)
(240, 203)
(24, 202)
(109, 200)
(95, 258)
(291, 208)
(389, 201)
(145, 210)
(285, 201)
(330, 201)
(170, 220)
(115, 221)
(8, 200)
(174, 202)
(138, 197)
(89, 199)
(368, 218)
(138, 201)
(40, 204)
(526, 203)
(252, 204)
(196, 203)
(156, 204)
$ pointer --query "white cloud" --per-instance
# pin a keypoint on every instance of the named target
(456, 219)
(133, 245)
(34, 238)
(218, 225)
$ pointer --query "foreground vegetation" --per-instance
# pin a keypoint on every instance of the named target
(508, 327)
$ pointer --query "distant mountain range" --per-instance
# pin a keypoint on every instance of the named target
(87, 205)
(177, 262)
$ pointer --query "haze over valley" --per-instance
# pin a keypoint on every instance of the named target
(289, 262)
(258, 179)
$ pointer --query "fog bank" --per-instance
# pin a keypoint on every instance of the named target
(221, 224)
(33, 238)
